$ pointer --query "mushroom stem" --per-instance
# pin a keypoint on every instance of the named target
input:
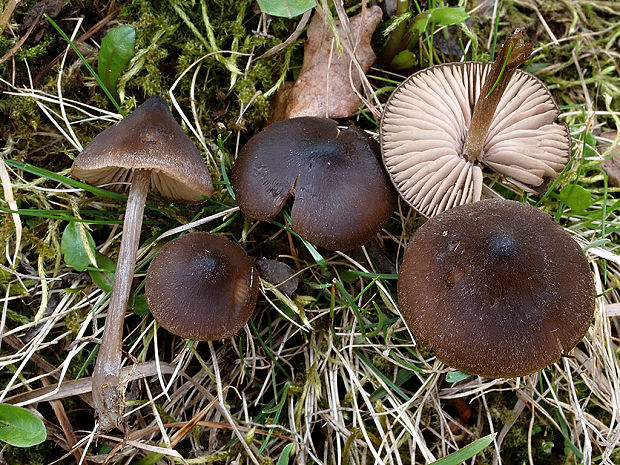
(513, 54)
(106, 379)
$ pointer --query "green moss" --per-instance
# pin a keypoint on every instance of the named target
(40, 454)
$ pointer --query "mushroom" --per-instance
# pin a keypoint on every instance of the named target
(342, 194)
(202, 286)
(496, 288)
(148, 148)
(441, 122)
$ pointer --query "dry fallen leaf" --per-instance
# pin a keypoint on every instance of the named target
(329, 82)
(612, 165)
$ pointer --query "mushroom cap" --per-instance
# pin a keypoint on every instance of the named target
(342, 194)
(496, 288)
(426, 120)
(202, 286)
(147, 139)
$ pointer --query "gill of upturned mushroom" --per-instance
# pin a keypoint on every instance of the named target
(443, 121)
(496, 288)
(342, 194)
(148, 148)
(202, 286)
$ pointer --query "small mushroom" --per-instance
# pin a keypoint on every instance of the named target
(148, 148)
(342, 194)
(202, 286)
(279, 274)
(441, 122)
(496, 288)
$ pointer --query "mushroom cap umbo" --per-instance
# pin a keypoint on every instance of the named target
(147, 139)
(202, 286)
(426, 120)
(496, 288)
(342, 194)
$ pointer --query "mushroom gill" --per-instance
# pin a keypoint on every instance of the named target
(443, 121)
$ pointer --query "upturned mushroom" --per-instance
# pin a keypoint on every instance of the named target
(496, 288)
(202, 286)
(148, 148)
(342, 194)
(442, 122)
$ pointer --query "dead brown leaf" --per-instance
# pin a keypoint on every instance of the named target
(612, 165)
(329, 83)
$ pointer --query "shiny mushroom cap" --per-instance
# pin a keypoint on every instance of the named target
(428, 127)
(496, 288)
(202, 286)
(342, 194)
(147, 139)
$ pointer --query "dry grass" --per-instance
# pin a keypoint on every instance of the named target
(334, 370)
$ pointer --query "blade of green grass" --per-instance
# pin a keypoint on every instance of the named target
(42, 172)
(466, 452)
(87, 64)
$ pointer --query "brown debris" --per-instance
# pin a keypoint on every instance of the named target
(611, 166)
(329, 82)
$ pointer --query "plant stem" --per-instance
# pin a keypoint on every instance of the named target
(513, 54)
(393, 46)
(106, 376)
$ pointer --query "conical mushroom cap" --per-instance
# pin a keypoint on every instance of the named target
(496, 288)
(147, 139)
(342, 194)
(425, 123)
(202, 286)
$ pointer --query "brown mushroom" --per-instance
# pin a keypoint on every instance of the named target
(496, 288)
(342, 194)
(441, 122)
(202, 286)
(148, 148)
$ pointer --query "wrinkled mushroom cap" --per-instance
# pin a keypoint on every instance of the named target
(202, 286)
(496, 288)
(147, 139)
(342, 194)
(425, 123)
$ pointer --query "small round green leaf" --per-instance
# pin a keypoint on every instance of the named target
(576, 197)
(73, 248)
(20, 427)
(285, 8)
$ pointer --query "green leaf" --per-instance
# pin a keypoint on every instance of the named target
(466, 452)
(284, 456)
(286, 8)
(589, 148)
(576, 197)
(444, 16)
(117, 48)
(456, 376)
(404, 60)
(104, 276)
(74, 249)
(20, 427)
(140, 307)
(448, 16)
(348, 277)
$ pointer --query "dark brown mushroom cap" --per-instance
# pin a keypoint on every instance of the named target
(496, 288)
(342, 195)
(202, 286)
(147, 139)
